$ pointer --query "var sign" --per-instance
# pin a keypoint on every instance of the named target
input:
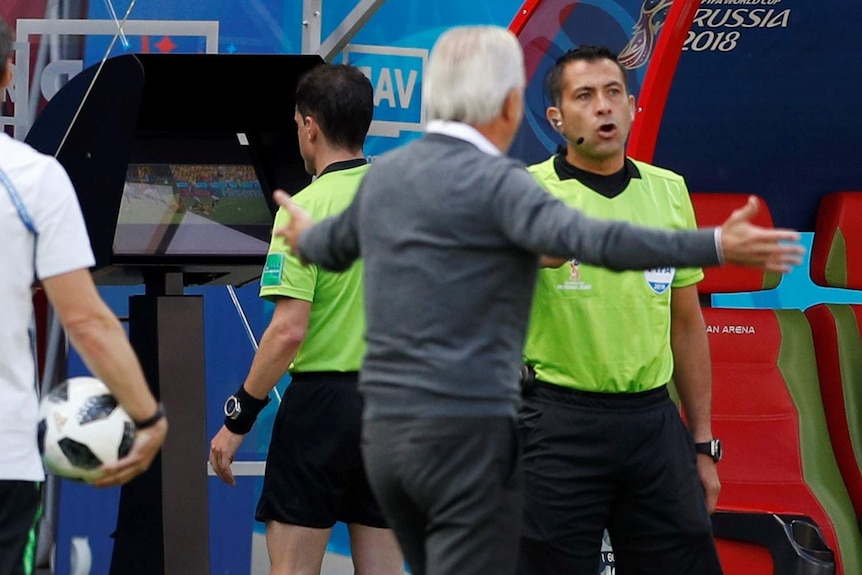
(396, 74)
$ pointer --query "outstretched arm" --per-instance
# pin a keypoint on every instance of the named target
(534, 220)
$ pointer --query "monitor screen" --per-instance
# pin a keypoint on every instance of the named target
(192, 210)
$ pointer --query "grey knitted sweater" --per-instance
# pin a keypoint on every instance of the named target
(450, 238)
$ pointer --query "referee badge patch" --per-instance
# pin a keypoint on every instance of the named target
(659, 279)
(271, 275)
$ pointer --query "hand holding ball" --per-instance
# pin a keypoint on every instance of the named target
(81, 428)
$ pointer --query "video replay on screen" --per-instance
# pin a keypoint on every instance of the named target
(192, 210)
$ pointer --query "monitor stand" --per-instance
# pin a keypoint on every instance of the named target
(162, 524)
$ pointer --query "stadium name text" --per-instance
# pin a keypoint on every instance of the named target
(738, 329)
(717, 29)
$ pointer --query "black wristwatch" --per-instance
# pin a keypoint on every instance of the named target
(241, 410)
(232, 407)
(711, 448)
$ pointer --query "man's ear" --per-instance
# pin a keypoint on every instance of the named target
(513, 106)
(312, 128)
(555, 118)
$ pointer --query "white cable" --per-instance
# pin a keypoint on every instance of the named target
(248, 330)
(123, 40)
(120, 25)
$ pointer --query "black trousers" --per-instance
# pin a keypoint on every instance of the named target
(450, 488)
(19, 514)
(621, 461)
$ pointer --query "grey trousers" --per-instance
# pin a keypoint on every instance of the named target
(450, 488)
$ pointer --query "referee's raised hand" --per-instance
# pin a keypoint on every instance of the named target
(299, 220)
(743, 243)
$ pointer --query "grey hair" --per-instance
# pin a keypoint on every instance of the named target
(470, 72)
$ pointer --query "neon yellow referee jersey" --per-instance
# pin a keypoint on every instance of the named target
(336, 327)
(597, 330)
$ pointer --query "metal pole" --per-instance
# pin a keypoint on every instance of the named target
(343, 33)
(311, 34)
(349, 27)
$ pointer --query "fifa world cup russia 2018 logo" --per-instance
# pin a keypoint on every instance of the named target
(644, 34)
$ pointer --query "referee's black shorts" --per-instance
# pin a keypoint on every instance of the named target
(621, 461)
(20, 509)
(314, 473)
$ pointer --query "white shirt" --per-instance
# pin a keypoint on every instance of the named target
(63, 245)
(464, 132)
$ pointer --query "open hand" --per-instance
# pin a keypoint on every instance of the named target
(743, 243)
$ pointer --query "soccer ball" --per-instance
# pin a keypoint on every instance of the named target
(81, 427)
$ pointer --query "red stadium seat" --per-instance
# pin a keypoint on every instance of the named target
(712, 210)
(836, 261)
(838, 346)
(836, 257)
(783, 504)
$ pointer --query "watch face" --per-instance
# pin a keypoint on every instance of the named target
(231, 407)
(716, 450)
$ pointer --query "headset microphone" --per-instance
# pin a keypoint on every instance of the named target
(579, 141)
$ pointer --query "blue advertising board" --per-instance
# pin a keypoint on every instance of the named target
(763, 102)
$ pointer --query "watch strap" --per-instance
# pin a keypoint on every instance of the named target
(153, 419)
(247, 409)
(711, 448)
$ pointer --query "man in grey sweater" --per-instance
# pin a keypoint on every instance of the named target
(450, 231)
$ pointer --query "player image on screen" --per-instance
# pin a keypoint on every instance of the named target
(191, 209)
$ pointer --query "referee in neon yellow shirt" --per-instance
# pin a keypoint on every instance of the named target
(605, 447)
(314, 473)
